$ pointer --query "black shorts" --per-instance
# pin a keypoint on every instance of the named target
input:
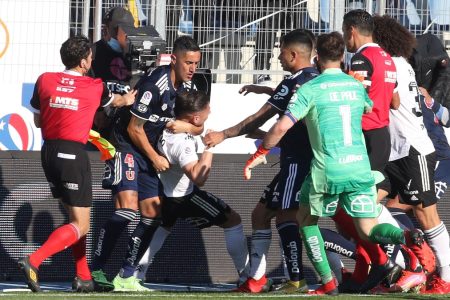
(412, 177)
(68, 170)
(282, 192)
(378, 144)
(201, 209)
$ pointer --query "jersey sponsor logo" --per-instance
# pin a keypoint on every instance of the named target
(155, 118)
(71, 186)
(390, 76)
(414, 198)
(388, 62)
(357, 62)
(350, 158)
(65, 89)
(293, 256)
(142, 108)
(337, 248)
(164, 106)
(363, 204)
(328, 85)
(118, 88)
(383, 53)
(64, 102)
(67, 81)
(281, 93)
(146, 97)
(188, 150)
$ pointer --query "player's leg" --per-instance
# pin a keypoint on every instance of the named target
(312, 206)
(120, 176)
(149, 205)
(285, 200)
(66, 166)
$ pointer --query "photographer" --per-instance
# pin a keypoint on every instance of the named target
(110, 63)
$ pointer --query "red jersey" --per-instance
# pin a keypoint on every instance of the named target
(67, 103)
(380, 77)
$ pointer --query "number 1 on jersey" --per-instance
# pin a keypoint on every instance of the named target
(346, 116)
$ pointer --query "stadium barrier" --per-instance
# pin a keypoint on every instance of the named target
(28, 214)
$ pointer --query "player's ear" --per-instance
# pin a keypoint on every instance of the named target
(173, 58)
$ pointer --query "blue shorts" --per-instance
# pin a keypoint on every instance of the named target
(441, 178)
(129, 171)
(283, 191)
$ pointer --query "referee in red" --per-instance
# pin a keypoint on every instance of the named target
(65, 104)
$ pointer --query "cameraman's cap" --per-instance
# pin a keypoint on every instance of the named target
(117, 16)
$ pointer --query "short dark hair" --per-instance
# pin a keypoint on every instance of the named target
(299, 36)
(393, 37)
(74, 50)
(188, 102)
(330, 46)
(185, 43)
(360, 19)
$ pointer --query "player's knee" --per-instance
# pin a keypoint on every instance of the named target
(286, 215)
(150, 207)
(261, 217)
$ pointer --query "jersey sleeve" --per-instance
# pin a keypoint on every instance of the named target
(148, 94)
(299, 105)
(282, 95)
(368, 103)
(107, 96)
(185, 151)
(34, 102)
(362, 66)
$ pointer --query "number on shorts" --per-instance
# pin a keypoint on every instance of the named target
(129, 160)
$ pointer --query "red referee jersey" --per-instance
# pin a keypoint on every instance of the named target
(67, 104)
(380, 77)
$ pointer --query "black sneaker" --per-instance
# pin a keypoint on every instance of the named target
(30, 273)
(389, 272)
(349, 286)
(82, 286)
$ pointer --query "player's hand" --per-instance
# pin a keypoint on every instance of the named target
(130, 97)
(160, 163)
(177, 126)
(259, 157)
(213, 138)
(429, 101)
(356, 75)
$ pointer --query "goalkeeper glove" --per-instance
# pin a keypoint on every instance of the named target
(259, 157)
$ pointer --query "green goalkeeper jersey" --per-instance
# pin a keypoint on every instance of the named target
(332, 105)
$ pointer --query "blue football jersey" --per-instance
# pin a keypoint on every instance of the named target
(154, 103)
(295, 142)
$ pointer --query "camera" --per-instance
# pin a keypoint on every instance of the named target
(144, 46)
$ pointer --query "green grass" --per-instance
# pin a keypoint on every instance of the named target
(198, 295)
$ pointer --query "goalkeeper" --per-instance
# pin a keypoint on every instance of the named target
(279, 198)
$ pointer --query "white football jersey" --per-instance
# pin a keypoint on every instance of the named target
(180, 149)
(406, 124)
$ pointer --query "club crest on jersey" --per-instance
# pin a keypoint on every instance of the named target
(146, 97)
(142, 108)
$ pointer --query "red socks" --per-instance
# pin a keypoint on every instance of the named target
(60, 239)
(79, 255)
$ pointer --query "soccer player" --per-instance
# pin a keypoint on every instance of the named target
(412, 161)
(332, 106)
(279, 198)
(182, 196)
(64, 105)
(133, 173)
(377, 70)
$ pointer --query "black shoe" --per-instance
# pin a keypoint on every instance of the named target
(82, 286)
(378, 273)
(30, 273)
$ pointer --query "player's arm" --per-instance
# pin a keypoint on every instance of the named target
(178, 126)
(36, 105)
(139, 138)
(362, 69)
(116, 100)
(441, 112)
(198, 171)
(256, 89)
(395, 102)
(246, 126)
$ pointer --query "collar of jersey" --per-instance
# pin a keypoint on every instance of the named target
(73, 73)
(332, 71)
(367, 45)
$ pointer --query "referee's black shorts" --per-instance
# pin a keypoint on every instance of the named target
(378, 144)
(68, 170)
